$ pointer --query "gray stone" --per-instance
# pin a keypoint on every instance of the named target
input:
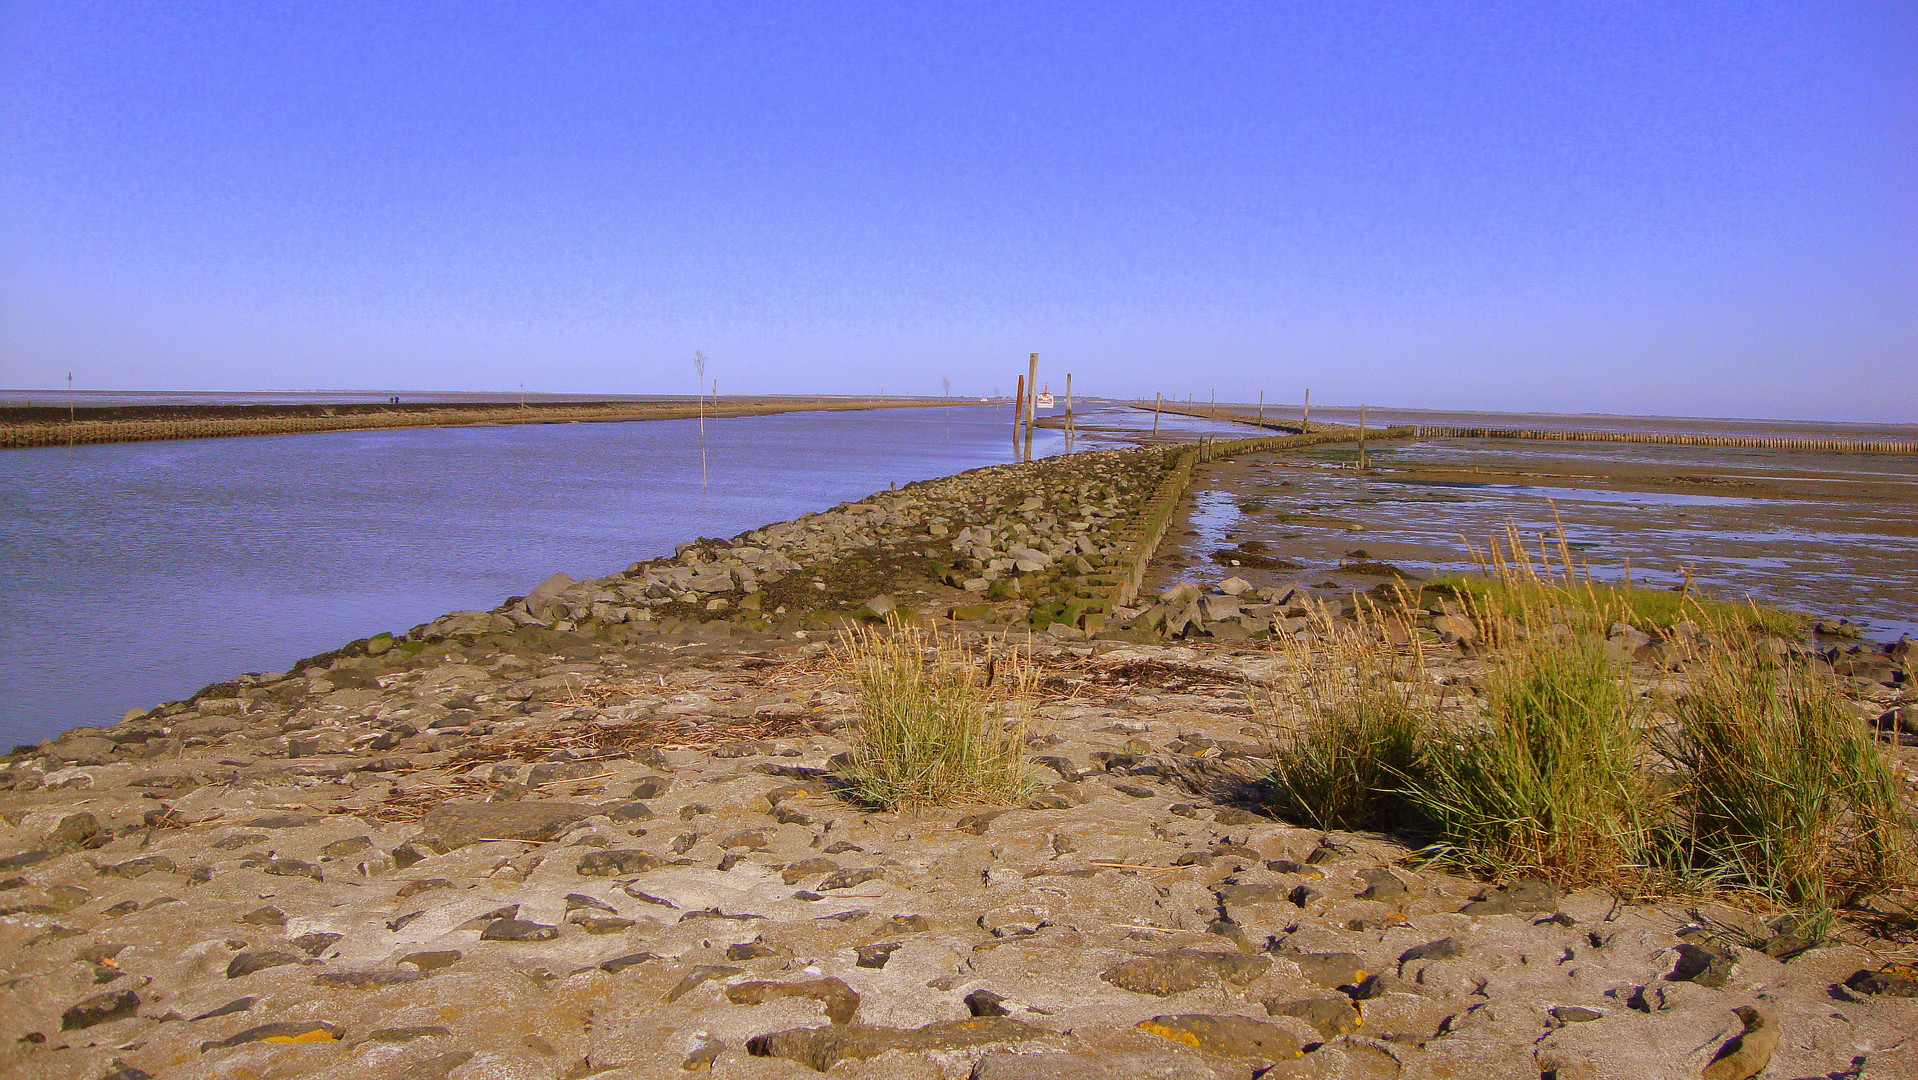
(697, 977)
(1705, 965)
(541, 598)
(1330, 970)
(297, 1031)
(455, 825)
(1177, 970)
(616, 863)
(518, 930)
(1747, 1054)
(822, 1048)
(838, 998)
(1443, 949)
(100, 1009)
(247, 963)
(1892, 980)
(1524, 895)
(848, 878)
(133, 868)
(1227, 1036)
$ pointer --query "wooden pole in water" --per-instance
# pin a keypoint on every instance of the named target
(1018, 414)
(1361, 438)
(1068, 406)
(1032, 399)
(1158, 399)
(1305, 416)
(1261, 404)
(699, 367)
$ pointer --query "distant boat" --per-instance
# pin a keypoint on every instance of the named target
(1044, 401)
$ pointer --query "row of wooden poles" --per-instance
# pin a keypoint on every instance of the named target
(1304, 426)
(1436, 431)
(1025, 409)
(1757, 442)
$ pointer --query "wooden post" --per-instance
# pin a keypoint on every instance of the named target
(1032, 399)
(1305, 416)
(699, 367)
(1158, 399)
(1361, 438)
(1261, 405)
(1068, 406)
(1018, 414)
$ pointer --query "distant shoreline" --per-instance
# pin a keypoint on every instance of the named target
(26, 426)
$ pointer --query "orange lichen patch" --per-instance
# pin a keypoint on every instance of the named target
(318, 1034)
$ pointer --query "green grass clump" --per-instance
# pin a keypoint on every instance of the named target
(930, 730)
(1756, 777)
(1359, 744)
(1786, 793)
(1549, 778)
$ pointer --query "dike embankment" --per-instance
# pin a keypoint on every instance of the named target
(593, 832)
(26, 426)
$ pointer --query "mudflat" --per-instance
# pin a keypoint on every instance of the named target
(1833, 535)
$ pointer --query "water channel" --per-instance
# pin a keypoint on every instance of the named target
(135, 573)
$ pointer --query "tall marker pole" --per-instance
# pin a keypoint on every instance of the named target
(1018, 414)
(1305, 417)
(1032, 400)
(1068, 406)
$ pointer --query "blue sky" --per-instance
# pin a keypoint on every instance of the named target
(1666, 208)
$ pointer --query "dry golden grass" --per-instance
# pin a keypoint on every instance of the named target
(939, 722)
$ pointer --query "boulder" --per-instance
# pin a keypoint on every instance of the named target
(541, 598)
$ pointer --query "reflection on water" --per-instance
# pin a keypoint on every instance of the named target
(135, 573)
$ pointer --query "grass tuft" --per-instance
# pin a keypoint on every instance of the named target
(1786, 793)
(1549, 778)
(1756, 777)
(931, 730)
(1363, 732)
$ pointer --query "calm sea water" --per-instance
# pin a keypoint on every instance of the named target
(135, 573)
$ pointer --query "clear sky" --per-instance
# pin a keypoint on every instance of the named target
(1693, 208)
